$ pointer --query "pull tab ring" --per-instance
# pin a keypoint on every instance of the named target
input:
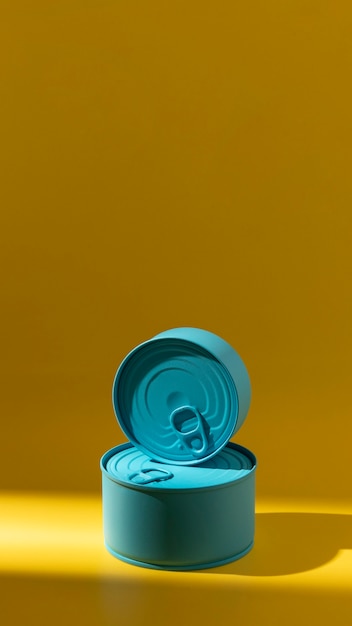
(141, 477)
(187, 423)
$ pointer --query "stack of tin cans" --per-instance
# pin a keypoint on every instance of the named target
(179, 496)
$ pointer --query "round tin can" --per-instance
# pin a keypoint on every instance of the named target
(180, 396)
(178, 517)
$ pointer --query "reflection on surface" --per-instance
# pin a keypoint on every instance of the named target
(69, 601)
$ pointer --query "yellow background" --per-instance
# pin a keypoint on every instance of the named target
(169, 164)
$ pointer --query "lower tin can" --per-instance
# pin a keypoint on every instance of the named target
(178, 517)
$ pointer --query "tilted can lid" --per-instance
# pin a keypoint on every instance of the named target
(180, 396)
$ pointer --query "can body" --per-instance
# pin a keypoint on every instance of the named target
(185, 518)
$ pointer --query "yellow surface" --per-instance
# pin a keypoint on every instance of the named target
(299, 569)
(166, 164)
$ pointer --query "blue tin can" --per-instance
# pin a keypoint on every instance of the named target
(178, 517)
(179, 496)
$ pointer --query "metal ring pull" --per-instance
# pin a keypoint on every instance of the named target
(141, 477)
(187, 423)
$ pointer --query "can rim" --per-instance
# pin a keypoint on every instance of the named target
(148, 487)
(180, 568)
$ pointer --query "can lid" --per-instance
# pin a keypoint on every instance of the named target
(132, 467)
(180, 396)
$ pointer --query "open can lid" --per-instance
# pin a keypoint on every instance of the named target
(180, 396)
